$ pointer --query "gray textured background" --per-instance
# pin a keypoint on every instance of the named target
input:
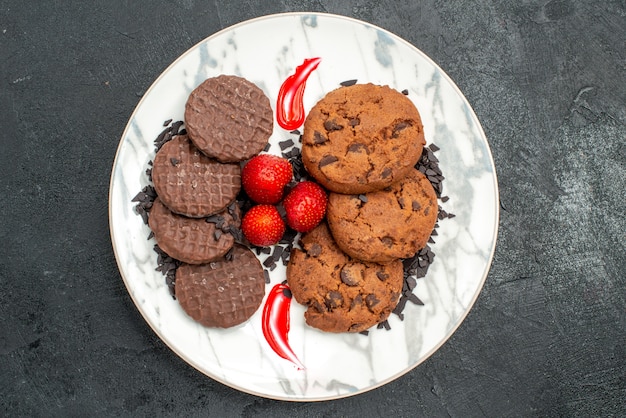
(547, 336)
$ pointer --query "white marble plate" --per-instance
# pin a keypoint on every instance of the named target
(266, 50)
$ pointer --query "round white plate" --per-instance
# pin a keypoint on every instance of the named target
(266, 50)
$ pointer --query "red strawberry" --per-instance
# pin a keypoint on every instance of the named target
(262, 225)
(305, 205)
(264, 177)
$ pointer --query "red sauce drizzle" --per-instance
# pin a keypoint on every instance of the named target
(289, 107)
(275, 323)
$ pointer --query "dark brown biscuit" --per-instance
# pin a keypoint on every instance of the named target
(385, 225)
(229, 118)
(223, 293)
(362, 138)
(190, 183)
(341, 294)
(193, 240)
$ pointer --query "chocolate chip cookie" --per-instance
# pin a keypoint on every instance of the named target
(341, 294)
(362, 138)
(229, 118)
(385, 225)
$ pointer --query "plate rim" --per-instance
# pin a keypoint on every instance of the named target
(495, 190)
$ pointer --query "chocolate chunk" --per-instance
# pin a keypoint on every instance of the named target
(357, 147)
(354, 122)
(334, 299)
(327, 159)
(318, 138)
(214, 219)
(348, 83)
(315, 250)
(399, 127)
(384, 324)
(388, 241)
(331, 125)
(269, 263)
(285, 144)
(415, 205)
(318, 306)
(358, 300)
(351, 274)
(382, 276)
(371, 301)
(278, 252)
(386, 172)
(413, 298)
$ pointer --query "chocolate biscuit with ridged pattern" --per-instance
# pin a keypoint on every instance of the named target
(223, 293)
(194, 240)
(229, 118)
(190, 183)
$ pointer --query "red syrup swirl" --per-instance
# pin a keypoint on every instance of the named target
(275, 323)
(289, 106)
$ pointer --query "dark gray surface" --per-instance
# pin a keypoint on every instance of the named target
(546, 337)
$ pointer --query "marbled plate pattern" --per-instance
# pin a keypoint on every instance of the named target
(265, 51)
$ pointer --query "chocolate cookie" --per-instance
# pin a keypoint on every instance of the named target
(229, 118)
(193, 240)
(385, 225)
(341, 294)
(362, 138)
(223, 293)
(190, 183)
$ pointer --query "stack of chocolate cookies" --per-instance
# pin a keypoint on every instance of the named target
(195, 218)
(362, 143)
